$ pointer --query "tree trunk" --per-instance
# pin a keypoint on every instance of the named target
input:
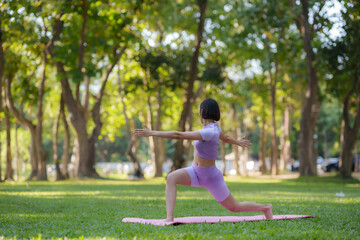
(96, 112)
(282, 146)
(78, 121)
(311, 104)
(152, 148)
(18, 158)
(273, 80)
(29, 125)
(76, 110)
(285, 140)
(235, 148)
(74, 159)
(160, 155)
(2, 59)
(132, 152)
(59, 175)
(55, 143)
(262, 154)
(162, 151)
(83, 166)
(132, 147)
(342, 133)
(347, 155)
(41, 154)
(66, 146)
(102, 154)
(356, 166)
(245, 151)
(33, 156)
(179, 154)
(154, 143)
(73, 106)
(273, 149)
(87, 166)
(37, 153)
(274, 146)
(9, 170)
(350, 133)
(325, 149)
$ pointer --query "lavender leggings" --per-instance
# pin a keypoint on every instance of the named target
(210, 178)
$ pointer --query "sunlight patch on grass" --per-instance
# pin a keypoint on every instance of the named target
(51, 194)
(251, 180)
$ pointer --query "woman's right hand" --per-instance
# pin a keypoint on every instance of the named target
(144, 132)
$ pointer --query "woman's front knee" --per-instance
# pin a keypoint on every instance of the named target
(171, 178)
(178, 177)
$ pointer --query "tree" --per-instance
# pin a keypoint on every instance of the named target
(262, 33)
(9, 170)
(131, 151)
(152, 64)
(342, 60)
(61, 173)
(82, 65)
(1, 82)
(185, 123)
(16, 61)
(310, 108)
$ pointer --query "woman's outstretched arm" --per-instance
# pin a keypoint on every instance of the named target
(242, 142)
(146, 132)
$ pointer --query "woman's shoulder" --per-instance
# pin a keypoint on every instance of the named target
(217, 127)
(208, 131)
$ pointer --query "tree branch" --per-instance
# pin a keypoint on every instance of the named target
(85, 96)
(96, 109)
(10, 104)
(57, 29)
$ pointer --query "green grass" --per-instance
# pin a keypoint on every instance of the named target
(94, 209)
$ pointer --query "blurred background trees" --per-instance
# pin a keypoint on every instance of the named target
(78, 76)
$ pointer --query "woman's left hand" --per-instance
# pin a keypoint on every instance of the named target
(145, 132)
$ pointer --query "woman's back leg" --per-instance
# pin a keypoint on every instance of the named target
(231, 204)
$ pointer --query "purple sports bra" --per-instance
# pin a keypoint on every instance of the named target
(208, 147)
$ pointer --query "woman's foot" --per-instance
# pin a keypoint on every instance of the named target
(169, 220)
(268, 211)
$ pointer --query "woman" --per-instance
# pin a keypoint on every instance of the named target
(203, 172)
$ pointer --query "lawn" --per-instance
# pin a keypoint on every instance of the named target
(94, 209)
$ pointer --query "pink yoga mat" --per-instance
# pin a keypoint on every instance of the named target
(207, 219)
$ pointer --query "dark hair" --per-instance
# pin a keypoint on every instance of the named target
(209, 109)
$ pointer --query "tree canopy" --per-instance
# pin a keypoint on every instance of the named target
(78, 76)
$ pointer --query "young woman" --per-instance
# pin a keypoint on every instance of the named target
(203, 172)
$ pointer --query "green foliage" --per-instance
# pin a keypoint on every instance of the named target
(213, 74)
(329, 129)
(341, 55)
(94, 209)
(242, 42)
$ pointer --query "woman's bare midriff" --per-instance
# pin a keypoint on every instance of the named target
(202, 162)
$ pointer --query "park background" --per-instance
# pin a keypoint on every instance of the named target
(78, 76)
